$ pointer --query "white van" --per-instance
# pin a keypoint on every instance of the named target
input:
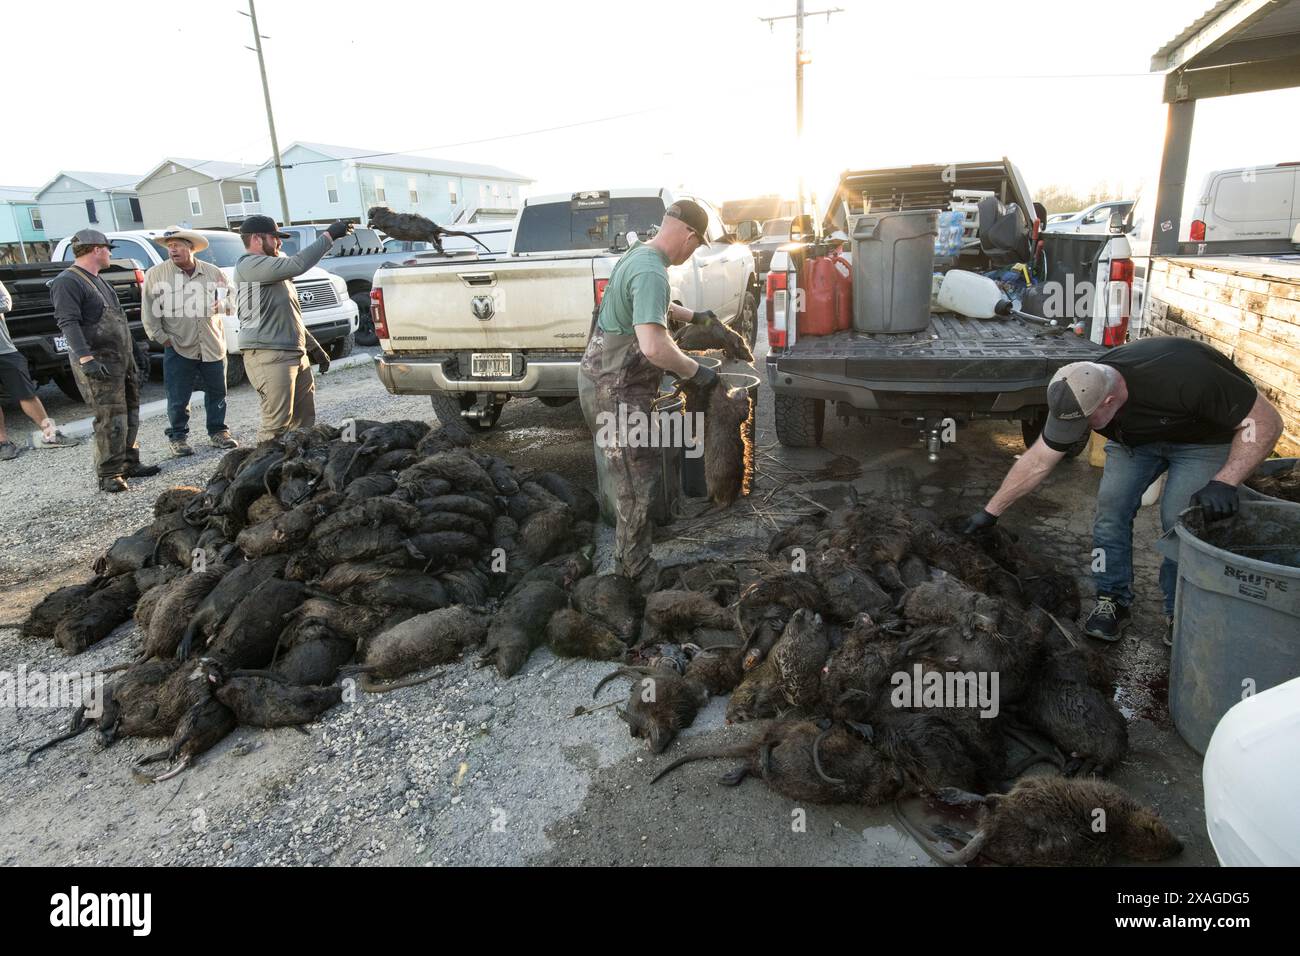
(1253, 207)
(327, 312)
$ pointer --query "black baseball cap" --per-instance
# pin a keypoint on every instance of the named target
(262, 226)
(1075, 392)
(693, 215)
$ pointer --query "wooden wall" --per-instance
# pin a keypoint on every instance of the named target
(1248, 311)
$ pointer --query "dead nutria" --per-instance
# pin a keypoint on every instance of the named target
(565, 570)
(728, 456)
(718, 669)
(520, 625)
(545, 534)
(669, 613)
(799, 656)
(785, 589)
(661, 703)
(45, 616)
(174, 499)
(846, 588)
(263, 702)
(446, 437)
(715, 335)
(263, 509)
(94, 617)
(128, 553)
(1284, 485)
(456, 467)
(288, 530)
(1078, 717)
(249, 635)
(224, 598)
(570, 634)
(1051, 821)
(171, 616)
(959, 556)
(872, 531)
(768, 631)
(941, 747)
(204, 726)
(422, 641)
(758, 695)
(613, 600)
(813, 761)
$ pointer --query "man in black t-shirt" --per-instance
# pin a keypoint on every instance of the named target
(1167, 405)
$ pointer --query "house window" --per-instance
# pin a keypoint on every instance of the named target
(451, 192)
(196, 207)
(380, 195)
(414, 192)
(37, 223)
(246, 194)
(136, 215)
(332, 189)
(90, 211)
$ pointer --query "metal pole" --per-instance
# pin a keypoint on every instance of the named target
(270, 119)
(798, 96)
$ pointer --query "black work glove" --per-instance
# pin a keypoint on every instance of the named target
(338, 230)
(1216, 500)
(705, 318)
(697, 387)
(95, 369)
(979, 521)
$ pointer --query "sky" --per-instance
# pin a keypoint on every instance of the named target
(581, 94)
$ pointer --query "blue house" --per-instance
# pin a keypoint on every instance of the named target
(22, 231)
(324, 183)
(72, 201)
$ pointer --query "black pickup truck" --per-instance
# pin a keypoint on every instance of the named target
(957, 369)
(36, 334)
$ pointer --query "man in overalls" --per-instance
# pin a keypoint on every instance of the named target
(102, 358)
(629, 350)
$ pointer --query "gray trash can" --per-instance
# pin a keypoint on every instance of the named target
(893, 266)
(1237, 613)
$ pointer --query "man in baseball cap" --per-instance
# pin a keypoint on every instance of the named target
(693, 214)
(1168, 406)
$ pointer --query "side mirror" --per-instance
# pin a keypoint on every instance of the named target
(802, 229)
(748, 230)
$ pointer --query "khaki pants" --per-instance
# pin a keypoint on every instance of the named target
(285, 387)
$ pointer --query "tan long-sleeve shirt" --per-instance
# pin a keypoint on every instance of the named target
(186, 310)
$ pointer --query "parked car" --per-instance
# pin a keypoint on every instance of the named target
(35, 333)
(1095, 220)
(774, 234)
(473, 330)
(954, 369)
(328, 313)
(1247, 209)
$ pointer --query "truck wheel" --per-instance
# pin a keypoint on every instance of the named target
(235, 372)
(1031, 428)
(557, 401)
(67, 383)
(747, 322)
(448, 409)
(342, 348)
(365, 334)
(799, 421)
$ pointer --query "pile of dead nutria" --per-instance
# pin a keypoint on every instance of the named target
(375, 550)
(869, 645)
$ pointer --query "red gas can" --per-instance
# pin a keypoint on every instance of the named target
(820, 279)
(843, 293)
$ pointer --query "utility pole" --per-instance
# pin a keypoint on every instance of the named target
(800, 59)
(270, 119)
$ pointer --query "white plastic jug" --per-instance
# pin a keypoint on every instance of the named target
(969, 294)
(1251, 774)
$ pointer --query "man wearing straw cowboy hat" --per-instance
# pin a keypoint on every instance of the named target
(628, 352)
(182, 305)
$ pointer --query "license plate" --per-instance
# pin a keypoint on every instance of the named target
(61, 343)
(491, 364)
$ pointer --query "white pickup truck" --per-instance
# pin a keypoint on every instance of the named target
(474, 330)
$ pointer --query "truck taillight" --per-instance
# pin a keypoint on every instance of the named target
(601, 285)
(1119, 296)
(778, 298)
(1198, 230)
(139, 277)
(377, 313)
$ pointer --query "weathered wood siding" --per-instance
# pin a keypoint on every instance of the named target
(1248, 311)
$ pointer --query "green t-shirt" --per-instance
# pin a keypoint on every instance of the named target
(638, 291)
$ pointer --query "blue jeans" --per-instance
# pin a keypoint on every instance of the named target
(180, 375)
(1128, 473)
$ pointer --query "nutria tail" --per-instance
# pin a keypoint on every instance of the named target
(817, 760)
(740, 750)
(370, 687)
(960, 858)
(629, 672)
(79, 725)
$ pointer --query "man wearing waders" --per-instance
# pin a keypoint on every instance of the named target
(102, 357)
(628, 352)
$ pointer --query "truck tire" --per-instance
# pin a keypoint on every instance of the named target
(799, 421)
(67, 383)
(746, 323)
(557, 401)
(1031, 428)
(365, 334)
(235, 371)
(342, 348)
(448, 409)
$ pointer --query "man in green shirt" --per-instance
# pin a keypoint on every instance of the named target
(629, 351)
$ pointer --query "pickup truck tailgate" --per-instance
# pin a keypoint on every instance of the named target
(507, 305)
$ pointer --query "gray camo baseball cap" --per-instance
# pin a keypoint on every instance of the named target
(1075, 392)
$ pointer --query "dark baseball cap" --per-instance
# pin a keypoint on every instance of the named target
(693, 215)
(262, 226)
(91, 237)
(1075, 392)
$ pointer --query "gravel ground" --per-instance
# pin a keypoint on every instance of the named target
(469, 768)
